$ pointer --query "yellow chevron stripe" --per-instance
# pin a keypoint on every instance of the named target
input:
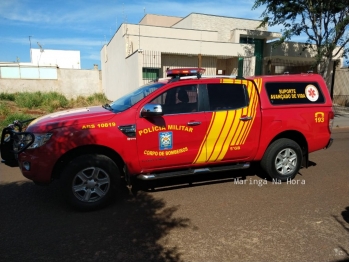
(246, 127)
(218, 147)
(202, 154)
(255, 104)
(242, 129)
(226, 128)
(213, 136)
(250, 112)
(231, 133)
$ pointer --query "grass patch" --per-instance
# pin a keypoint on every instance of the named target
(4, 109)
(12, 117)
(96, 99)
(53, 101)
(14, 106)
(29, 100)
(49, 101)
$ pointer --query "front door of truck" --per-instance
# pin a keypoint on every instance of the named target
(235, 121)
(175, 138)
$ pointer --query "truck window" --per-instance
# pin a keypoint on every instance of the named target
(181, 99)
(134, 97)
(227, 96)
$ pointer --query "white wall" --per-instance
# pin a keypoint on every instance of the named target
(159, 20)
(120, 73)
(169, 32)
(182, 41)
(223, 25)
(60, 58)
(122, 58)
(70, 83)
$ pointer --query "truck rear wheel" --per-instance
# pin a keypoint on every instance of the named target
(90, 181)
(282, 160)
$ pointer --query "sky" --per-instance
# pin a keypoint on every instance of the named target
(86, 25)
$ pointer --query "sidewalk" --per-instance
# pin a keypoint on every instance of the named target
(341, 118)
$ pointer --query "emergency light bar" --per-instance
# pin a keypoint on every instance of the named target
(211, 76)
(178, 72)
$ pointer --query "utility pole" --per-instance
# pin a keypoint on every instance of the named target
(30, 47)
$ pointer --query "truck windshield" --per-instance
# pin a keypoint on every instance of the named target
(130, 99)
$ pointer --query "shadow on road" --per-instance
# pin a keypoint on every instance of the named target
(204, 179)
(254, 172)
(345, 215)
(37, 226)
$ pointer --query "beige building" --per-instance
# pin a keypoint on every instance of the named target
(138, 53)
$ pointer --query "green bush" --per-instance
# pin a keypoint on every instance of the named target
(97, 99)
(50, 101)
(53, 101)
(29, 100)
(94, 100)
(8, 97)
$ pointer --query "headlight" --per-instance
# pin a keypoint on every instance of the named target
(40, 139)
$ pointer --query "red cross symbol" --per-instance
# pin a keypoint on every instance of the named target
(312, 92)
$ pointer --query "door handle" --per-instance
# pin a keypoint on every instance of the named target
(194, 123)
(246, 118)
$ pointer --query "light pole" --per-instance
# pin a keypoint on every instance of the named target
(30, 45)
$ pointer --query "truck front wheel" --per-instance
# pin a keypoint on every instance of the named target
(282, 160)
(90, 181)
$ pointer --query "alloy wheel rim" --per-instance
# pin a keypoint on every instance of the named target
(91, 184)
(286, 161)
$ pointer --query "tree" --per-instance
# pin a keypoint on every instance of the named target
(324, 22)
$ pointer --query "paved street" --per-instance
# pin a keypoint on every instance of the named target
(217, 217)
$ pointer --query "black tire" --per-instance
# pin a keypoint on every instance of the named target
(90, 181)
(282, 159)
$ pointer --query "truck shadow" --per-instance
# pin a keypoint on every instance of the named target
(38, 226)
(204, 179)
(255, 172)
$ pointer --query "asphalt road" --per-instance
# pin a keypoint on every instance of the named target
(206, 218)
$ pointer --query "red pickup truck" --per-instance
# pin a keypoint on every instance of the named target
(182, 125)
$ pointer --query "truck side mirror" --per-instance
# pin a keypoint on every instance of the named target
(151, 110)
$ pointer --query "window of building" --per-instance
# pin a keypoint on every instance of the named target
(227, 96)
(150, 73)
(181, 99)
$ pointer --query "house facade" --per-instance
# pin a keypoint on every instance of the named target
(138, 53)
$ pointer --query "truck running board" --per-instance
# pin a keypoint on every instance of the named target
(193, 171)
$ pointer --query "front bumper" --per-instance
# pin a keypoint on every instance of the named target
(34, 163)
(35, 166)
(13, 143)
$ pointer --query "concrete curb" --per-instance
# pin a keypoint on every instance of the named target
(341, 120)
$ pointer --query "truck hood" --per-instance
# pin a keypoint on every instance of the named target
(78, 116)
